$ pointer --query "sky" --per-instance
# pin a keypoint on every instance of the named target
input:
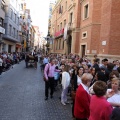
(39, 12)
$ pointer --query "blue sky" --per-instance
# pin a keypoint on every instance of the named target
(39, 13)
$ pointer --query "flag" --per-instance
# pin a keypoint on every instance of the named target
(24, 43)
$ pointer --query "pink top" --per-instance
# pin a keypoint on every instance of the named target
(51, 70)
(100, 109)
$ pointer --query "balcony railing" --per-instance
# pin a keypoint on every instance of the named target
(70, 26)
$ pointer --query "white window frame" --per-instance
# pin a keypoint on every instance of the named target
(83, 36)
(84, 11)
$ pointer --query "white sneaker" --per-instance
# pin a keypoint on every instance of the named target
(63, 103)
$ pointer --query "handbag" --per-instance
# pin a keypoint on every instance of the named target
(44, 78)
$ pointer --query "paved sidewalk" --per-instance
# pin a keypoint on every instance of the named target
(22, 97)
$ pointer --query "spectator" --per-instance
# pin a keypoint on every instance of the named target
(100, 109)
(76, 82)
(114, 93)
(82, 99)
(65, 83)
(96, 64)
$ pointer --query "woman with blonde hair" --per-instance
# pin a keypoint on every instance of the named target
(113, 94)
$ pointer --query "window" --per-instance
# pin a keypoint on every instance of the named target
(21, 7)
(17, 20)
(58, 27)
(1, 22)
(15, 17)
(66, 5)
(3, 5)
(56, 44)
(63, 45)
(59, 44)
(86, 7)
(61, 26)
(62, 9)
(84, 35)
(10, 27)
(5, 26)
(11, 13)
(0, 37)
(71, 17)
(13, 32)
(64, 23)
(17, 34)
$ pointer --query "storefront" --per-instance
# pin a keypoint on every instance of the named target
(9, 46)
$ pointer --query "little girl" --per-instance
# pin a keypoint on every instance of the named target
(65, 83)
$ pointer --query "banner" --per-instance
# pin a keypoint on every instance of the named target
(24, 43)
(65, 31)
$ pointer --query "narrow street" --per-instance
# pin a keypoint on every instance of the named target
(22, 97)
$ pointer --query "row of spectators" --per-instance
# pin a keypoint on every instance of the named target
(9, 59)
(94, 85)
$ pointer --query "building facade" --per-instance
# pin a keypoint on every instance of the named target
(63, 26)
(50, 37)
(11, 24)
(2, 17)
(37, 38)
(32, 37)
(87, 27)
(25, 27)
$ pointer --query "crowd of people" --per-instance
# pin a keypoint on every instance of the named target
(94, 85)
(7, 60)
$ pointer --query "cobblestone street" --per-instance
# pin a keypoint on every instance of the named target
(22, 97)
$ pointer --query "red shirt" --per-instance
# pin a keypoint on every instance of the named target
(82, 102)
(100, 109)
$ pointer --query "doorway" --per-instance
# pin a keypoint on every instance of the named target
(9, 48)
(83, 48)
(69, 44)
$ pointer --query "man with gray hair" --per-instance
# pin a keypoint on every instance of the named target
(82, 99)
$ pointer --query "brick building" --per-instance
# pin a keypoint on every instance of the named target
(87, 27)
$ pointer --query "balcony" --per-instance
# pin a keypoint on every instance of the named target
(70, 27)
(2, 30)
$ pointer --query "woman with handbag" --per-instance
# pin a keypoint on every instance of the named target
(76, 82)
